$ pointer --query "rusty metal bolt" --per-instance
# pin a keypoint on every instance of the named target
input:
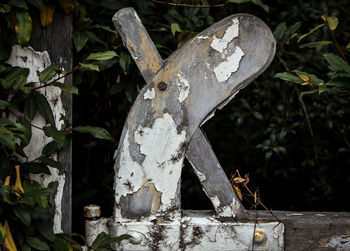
(162, 86)
(259, 237)
(92, 211)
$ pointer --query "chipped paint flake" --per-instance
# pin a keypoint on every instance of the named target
(137, 16)
(162, 164)
(184, 88)
(201, 38)
(225, 69)
(199, 174)
(129, 173)
(220, 44)
(149, 94)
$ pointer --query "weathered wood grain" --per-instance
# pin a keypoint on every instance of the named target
(149, 62)
(211, 175)
(313, 230)
(57, 41)
(197, 78)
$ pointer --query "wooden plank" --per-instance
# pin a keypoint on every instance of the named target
(149, 62)
(57, 41)
(211, 175)
(312, 230)
(196, 79)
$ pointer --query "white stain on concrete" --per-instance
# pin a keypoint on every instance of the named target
(149, 94)
(130, 172)
(162, 165)
(225, 69)
(220, 44)
(36, 62)
(184, 88)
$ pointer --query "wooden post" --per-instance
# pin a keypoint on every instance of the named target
(57, 41)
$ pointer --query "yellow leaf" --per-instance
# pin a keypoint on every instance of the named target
(324, 17)
(246, 179)
(46, 14)
(238, 192)
(23, 26)
(305, 78)
(9, 243)
(7, 181)
(332, 23)
(255, 197)
(238, 180)
(67, 6)
(293, 35)
(18, 185)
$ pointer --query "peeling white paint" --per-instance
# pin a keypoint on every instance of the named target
(225, 69)
(184, 88)
(149, 94)
(137, 16)
(130, 172)
(199, 174)
(163, 160)
(36, 62)
(220, 44)
(200, 38)
(229, 210)
(215, 200)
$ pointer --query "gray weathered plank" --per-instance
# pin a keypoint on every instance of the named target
(196, 79)
(57, 41)
(312, 230)
(211, 175)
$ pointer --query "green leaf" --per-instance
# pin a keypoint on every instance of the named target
(26, 248)
(58, 136)
(44, 108)
(67, 88)
(310, 32)
(22, 214)
(106, 28)
(23, 26)
(36, 243)
(97, 132)
(48, 73)
(61, 245)
(102, 55)
(47, 233)
(332, 23)
(30, 107)
(80, 38)
(15, 79)
(315, 44)
(175, 28)
(93, 38)
(92, 67)
(3, 104)
(28, 130)
(5, 51)
(307, 93)
(288, 77)
(18, 3)
(50, 148)
(313, 78)
(5, 8)
(124, 61)
(8, 141)
(51, 162)
(262, 5)
(34, 168)
(115, 88)
(336, 63)
(103, 240)
(279, 31)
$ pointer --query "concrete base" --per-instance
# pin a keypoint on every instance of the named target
(197, 230)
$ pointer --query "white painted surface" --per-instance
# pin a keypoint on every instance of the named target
(225, 69)
(220, 44)
(150, 94)
(137, 16)
(184, 88)
(93, 228)
(37, 62)
(198, 230)
(159, 164)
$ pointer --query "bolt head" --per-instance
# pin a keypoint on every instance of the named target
(259, 237)
(162, 86)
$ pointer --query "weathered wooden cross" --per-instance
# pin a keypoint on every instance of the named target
(163, 127)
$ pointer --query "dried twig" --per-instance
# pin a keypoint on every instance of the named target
(190, 5)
